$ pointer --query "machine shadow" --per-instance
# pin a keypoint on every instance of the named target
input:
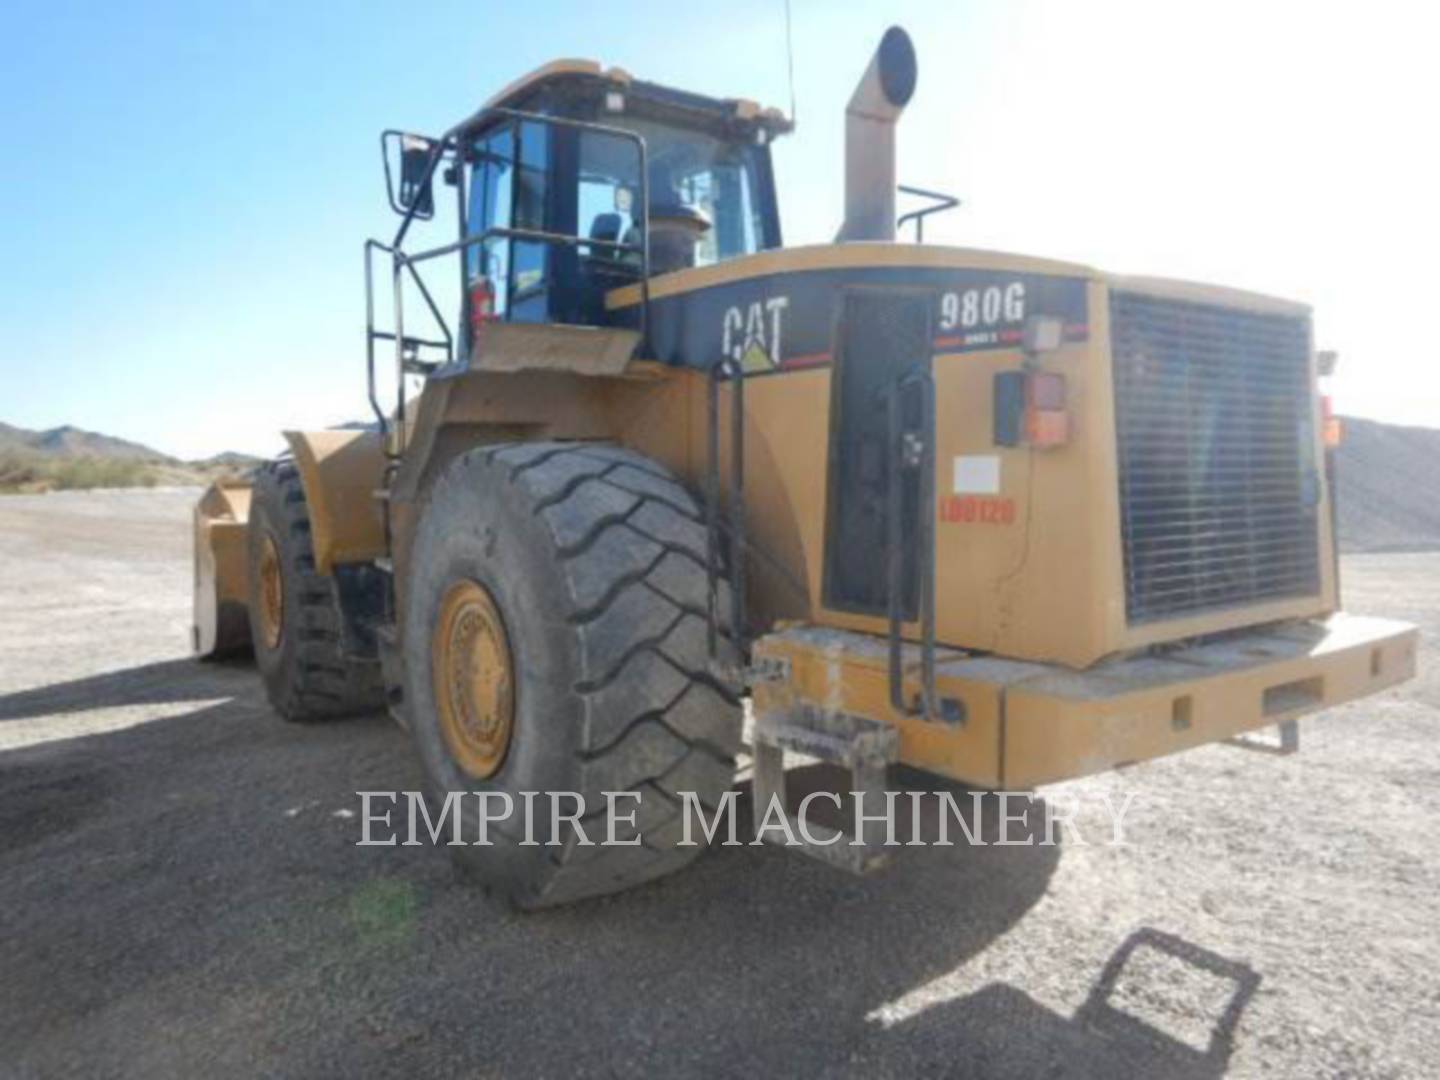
(796, 961)
(226, 834)
(1003, 1033)
(163, 682)
(780, 960)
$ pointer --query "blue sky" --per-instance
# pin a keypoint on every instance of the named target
(188, 185)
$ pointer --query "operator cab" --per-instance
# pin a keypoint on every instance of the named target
(571, 169)
(575, 182)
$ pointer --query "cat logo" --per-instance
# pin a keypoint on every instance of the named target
(752, 336)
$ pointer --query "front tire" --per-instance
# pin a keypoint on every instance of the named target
(294, 610)
(555, 641)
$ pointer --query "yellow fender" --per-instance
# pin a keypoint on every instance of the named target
(340, 472)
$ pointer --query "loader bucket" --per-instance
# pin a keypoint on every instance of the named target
(221, 622)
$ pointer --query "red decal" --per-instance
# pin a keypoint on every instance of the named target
(808, 360)
(977, 510)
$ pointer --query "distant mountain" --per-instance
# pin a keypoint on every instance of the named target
(14, 438)
(1388, 486)
(67, 457)
(72, 442)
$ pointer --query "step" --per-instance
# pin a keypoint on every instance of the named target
(866, 747)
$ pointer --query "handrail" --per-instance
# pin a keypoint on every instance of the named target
(371, 336)
(450, 144)
(908, 451)
(450, 141)
(729, 370)
(943, 202)
(502, 232)
(402, 341)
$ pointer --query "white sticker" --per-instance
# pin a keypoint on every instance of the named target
(977, 475)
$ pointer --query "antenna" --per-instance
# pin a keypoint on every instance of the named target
(790, 61)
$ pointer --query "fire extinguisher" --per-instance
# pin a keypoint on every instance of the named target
(482, 305)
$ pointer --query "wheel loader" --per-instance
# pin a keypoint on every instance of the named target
(1000, 519)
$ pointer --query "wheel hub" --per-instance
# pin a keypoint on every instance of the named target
(473, 679)
(272, 594)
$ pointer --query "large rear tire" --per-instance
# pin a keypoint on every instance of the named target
(555, 641)
(295, 613)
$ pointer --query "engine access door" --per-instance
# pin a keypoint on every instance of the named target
(881, 335)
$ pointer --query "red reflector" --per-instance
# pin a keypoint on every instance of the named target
(1047, 427)
(1332, 431)
(1046, 421)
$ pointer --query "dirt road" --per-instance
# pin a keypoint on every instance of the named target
(181, 894)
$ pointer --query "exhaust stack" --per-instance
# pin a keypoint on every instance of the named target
(883, 92)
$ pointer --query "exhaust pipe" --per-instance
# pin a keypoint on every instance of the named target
(884, 91)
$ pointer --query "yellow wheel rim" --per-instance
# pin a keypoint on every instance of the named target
(272, 594)
(473, 679)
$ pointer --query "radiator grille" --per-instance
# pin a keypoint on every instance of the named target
(1218, 485)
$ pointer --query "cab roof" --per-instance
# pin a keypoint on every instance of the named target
(578, 71)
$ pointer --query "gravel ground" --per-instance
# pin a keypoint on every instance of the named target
(181, 894)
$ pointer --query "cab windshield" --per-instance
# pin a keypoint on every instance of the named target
(700, 173)
(706, 205)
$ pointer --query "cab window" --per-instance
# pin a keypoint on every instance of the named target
(716, 182)
(608, 196)
(492, 185)
(530, 270)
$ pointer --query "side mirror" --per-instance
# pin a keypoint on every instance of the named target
(415, 190)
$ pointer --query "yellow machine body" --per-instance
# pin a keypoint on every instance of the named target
(1044, 584)
(1052, 673)
(1026, 724)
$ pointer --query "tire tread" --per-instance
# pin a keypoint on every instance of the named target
(630, 543)
(322, 683)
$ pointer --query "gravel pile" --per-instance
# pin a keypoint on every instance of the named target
(1389, 487)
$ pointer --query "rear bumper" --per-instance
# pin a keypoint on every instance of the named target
(1028, 724)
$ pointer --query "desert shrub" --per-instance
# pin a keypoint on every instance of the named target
(17, 470)
(98, 473)
(26, 472)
